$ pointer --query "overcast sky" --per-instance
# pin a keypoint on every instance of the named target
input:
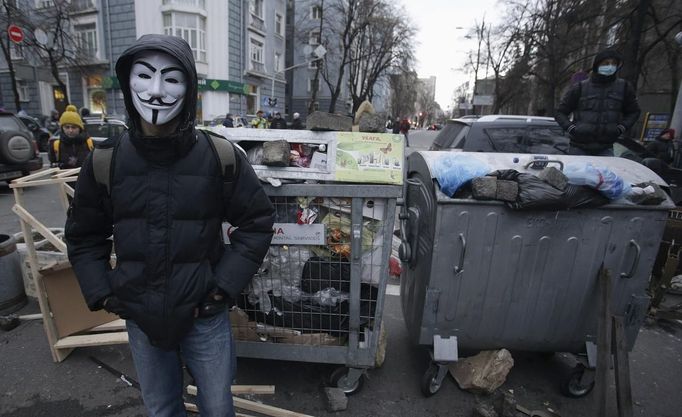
(441, 48)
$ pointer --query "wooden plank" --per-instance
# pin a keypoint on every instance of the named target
(63, 197)
(31, 317)
(67, 173)
(119, 324)
(241, 389)
(194, 409)
(601, 393)
(41, 228)
(39, 174)
(48, 321)
(622, 369)
(268, 410)
(37, 183)
(92, 340)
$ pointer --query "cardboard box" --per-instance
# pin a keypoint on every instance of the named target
(71, 314)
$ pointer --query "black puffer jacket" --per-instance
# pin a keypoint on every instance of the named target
(603, 108)
(165, 210)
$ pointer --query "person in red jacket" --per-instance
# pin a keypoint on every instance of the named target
(405, 129)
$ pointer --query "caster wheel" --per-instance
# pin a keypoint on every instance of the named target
(572, 387)
(430, 383)
(339, 378)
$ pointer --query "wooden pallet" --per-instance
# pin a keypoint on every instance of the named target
(67, 321)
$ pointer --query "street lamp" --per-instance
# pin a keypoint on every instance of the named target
(318, 53)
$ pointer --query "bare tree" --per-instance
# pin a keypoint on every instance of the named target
(385, 42)
(12, 14)
(403, 85)
(62, 48)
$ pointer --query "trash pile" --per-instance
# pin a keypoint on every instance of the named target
(577, 185)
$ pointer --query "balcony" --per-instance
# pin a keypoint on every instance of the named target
(78, 7)
(257, 24)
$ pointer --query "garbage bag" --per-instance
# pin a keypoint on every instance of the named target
(536, 194)
(600, 178)
(453, 170)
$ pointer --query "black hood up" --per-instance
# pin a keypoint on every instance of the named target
(180, 49)
(605, 54)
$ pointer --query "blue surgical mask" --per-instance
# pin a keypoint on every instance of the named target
(607, 69)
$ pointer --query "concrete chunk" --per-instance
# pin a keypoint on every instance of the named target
(554, 177)
(276, 153)
(336, 399)
(326, 121)
(372, 123)
(506, 190)
(484, 188)
(483, 373)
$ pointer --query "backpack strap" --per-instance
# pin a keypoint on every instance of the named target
(225, 152)
(101, 166)
(55, 149)
(90, 143)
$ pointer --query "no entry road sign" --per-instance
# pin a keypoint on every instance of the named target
(16, 35)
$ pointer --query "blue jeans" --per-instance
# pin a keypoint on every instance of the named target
(208, 353)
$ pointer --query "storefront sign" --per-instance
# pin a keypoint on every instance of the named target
(222, 85)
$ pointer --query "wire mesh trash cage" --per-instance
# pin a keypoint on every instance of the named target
(319, 294)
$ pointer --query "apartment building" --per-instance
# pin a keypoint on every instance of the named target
(238, 46)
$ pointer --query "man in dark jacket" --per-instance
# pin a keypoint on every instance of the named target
(167, 196)
(296, 123)
(278, 122)
(604, 107)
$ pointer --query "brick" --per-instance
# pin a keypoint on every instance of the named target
(372, 123)
(554, 177)
(336, 399)
(326, 121)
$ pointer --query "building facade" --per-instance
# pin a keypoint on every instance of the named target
(305, 36)
(238, 45)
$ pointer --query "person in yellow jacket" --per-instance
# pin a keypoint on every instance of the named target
(260, 122)
(73, 144)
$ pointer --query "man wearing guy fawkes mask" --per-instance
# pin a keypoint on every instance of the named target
(603, 107)
(165, 204)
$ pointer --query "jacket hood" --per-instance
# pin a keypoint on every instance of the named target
(605, 54)
(175, 47)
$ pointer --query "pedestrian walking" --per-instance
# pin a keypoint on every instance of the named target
(296, 122)
(663, 146)
(73, 145)
(405, 130)
(168, 188)
(229, 121)
(396, 125)
(259, 122)
(597, 111)
(278, 122)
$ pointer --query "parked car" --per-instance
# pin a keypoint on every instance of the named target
(40, 134)
(19, 154)
(538, 135)
(435, 126)
(103, 128)
(237, 121)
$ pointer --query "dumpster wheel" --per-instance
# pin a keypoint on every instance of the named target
(575, 385)
(341, 378)
(433, 379)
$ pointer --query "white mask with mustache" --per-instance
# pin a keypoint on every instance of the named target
(158, 85)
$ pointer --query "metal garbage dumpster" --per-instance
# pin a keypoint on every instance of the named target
(319, 294)
(478, 275)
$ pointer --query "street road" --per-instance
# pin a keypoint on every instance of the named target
(31, 385)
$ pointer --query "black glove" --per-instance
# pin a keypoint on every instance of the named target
(113, 305)
(216, 301)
